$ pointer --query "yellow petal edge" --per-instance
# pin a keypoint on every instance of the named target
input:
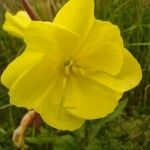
(15, 24)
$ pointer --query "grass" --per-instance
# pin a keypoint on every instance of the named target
(129, 127)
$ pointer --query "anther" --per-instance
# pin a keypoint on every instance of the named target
(68, 66)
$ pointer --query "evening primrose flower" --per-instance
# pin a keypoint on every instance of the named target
(73, 69)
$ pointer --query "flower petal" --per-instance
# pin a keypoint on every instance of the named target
(41, 89)
(48, 38)
(102, 50)
(32, 84)
(16, 24)
(64, 121)
(52, 111)
(129, 76)
(20, 65)
(77, 15)
(89, 99)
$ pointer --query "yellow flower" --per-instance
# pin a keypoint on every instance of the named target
(73, 69)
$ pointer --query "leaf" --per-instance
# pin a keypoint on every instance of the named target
(65, 142)
(45, 137)
(59, 142)
(118, 111)
(2, 131)
(39, 140)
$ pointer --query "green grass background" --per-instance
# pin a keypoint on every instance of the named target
(128, 128)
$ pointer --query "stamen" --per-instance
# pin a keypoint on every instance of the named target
(67, 69)
(68, 65)
(78, 70)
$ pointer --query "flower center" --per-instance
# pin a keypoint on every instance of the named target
(68, 67)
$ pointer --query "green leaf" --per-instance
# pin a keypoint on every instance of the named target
(45, 137)
(2, 131)
(118, 111)
(65, 142)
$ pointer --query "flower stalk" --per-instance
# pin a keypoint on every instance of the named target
(33, 15)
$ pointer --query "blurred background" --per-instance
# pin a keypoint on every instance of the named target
(128, 127)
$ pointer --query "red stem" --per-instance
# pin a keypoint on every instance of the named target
(33, 15)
